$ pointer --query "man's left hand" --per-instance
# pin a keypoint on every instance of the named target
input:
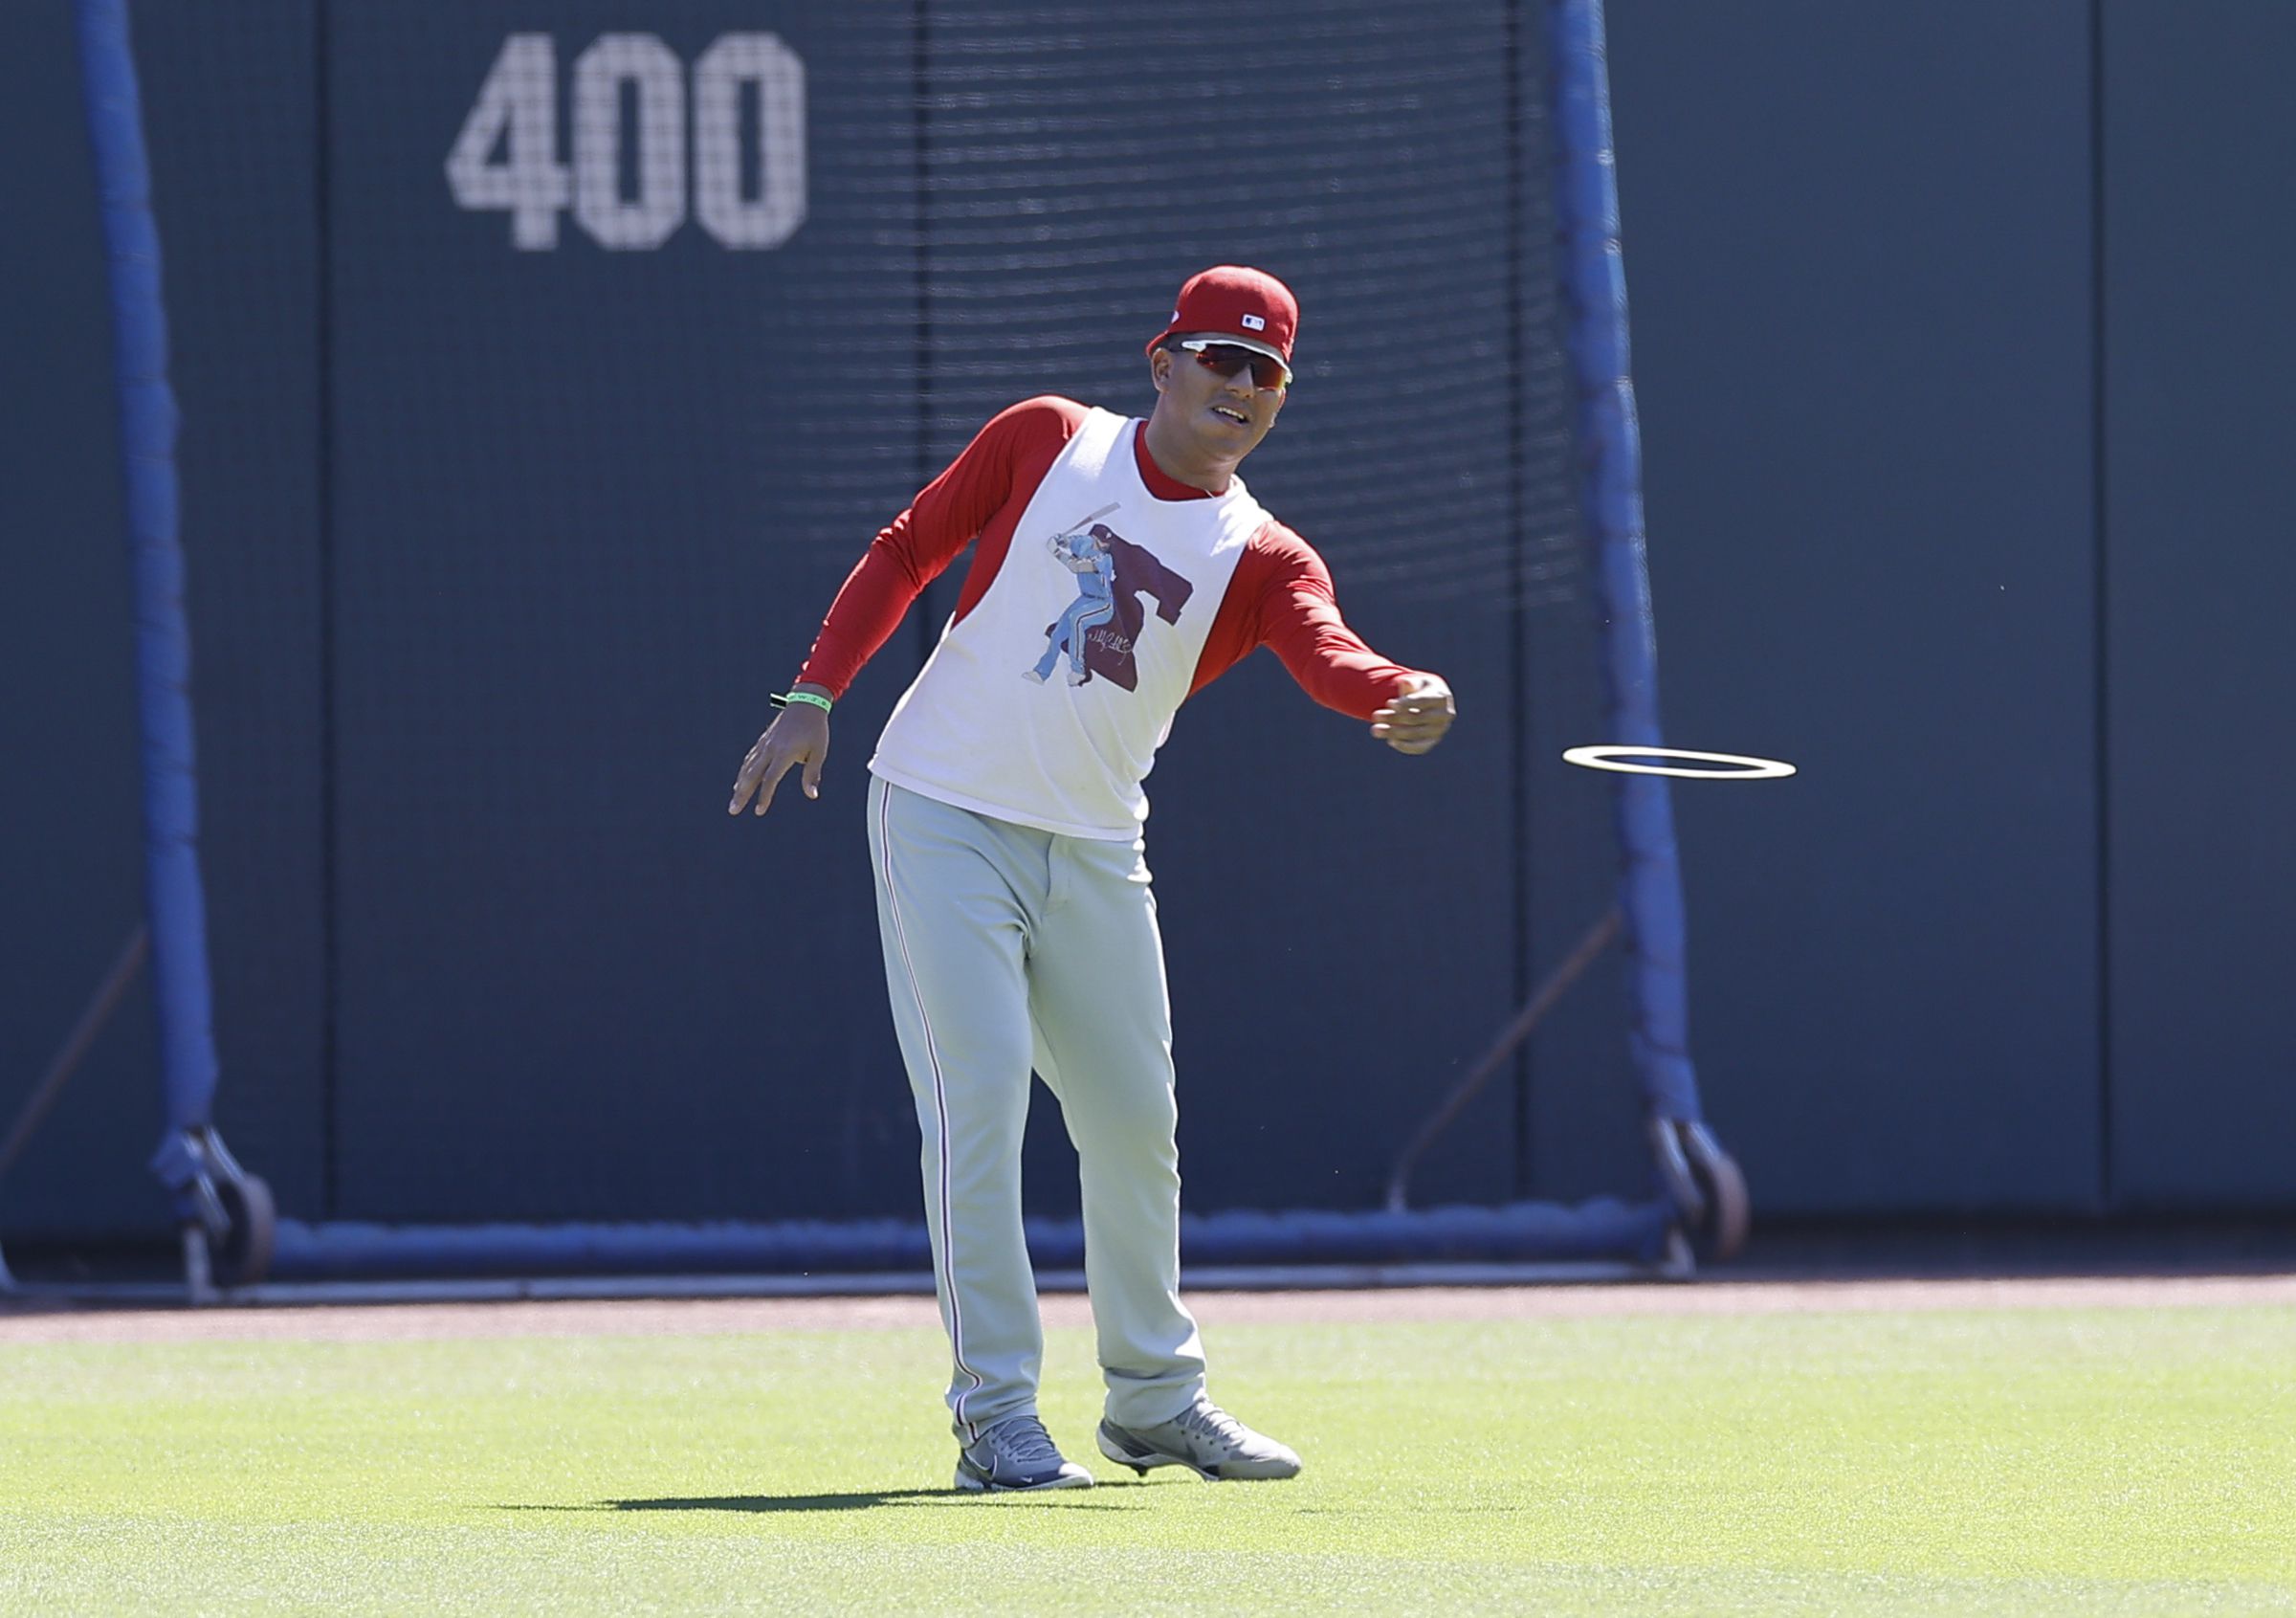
(1414, 721)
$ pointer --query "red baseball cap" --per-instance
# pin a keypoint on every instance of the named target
(1249, 308)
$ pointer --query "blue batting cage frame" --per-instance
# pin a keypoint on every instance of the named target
(220, 1207)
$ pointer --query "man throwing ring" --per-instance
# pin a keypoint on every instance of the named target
(1004, 824)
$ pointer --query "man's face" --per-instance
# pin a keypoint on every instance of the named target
(1226, 415)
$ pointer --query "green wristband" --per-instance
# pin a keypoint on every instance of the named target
(787, 697)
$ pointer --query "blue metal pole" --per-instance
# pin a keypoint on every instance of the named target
(1610, 441)
(147, 428)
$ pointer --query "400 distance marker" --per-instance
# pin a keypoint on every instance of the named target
(506, 155)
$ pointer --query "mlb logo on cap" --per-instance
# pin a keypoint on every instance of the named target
(1255, 322)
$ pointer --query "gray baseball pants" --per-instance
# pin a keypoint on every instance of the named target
(1006, 948)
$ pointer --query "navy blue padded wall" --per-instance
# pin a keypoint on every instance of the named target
(1860, 265)
(1338, 920)
(2201, 158)
(589, 505)
(72, 863)
(230, 115)
(1869, 526)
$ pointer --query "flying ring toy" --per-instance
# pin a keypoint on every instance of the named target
(1611, 756)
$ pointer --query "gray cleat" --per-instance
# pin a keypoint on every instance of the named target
(1203, 1438)
(1017, 1453)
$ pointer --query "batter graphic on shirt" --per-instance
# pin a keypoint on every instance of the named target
(1101, 627)
(1088, 557)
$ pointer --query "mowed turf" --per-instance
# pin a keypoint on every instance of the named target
(2015, 1461)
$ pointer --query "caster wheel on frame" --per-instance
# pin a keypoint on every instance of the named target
(242, 1255)
(1707, 1187)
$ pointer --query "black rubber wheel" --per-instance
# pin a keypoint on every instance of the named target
(243, 1256)
(1729, 1209)
(1683, 1187)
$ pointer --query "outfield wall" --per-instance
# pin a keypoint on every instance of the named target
(1961, 353)
(467, 640)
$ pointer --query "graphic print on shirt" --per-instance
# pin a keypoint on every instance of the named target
(1098, 632)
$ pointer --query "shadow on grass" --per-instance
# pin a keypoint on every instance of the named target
(1068, 1499)
(1386, 1510)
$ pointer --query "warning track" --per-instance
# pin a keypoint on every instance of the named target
(31, 1320)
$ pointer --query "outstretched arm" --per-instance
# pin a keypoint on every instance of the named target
(1281, 598)
(907, 554)
(915, 547)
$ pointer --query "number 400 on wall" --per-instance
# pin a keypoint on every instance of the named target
(506, 156)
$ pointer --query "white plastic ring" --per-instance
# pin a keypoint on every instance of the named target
(1611, 756)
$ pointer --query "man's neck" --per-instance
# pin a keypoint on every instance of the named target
(1181, 461)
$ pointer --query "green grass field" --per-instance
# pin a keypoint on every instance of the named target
(2010, 1461)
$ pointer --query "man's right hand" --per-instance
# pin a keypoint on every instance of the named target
(800, 735)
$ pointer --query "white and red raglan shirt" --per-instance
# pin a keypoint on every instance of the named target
(1101, 596)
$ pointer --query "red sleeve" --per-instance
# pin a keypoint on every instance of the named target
(914, 550)
(1282, 597)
